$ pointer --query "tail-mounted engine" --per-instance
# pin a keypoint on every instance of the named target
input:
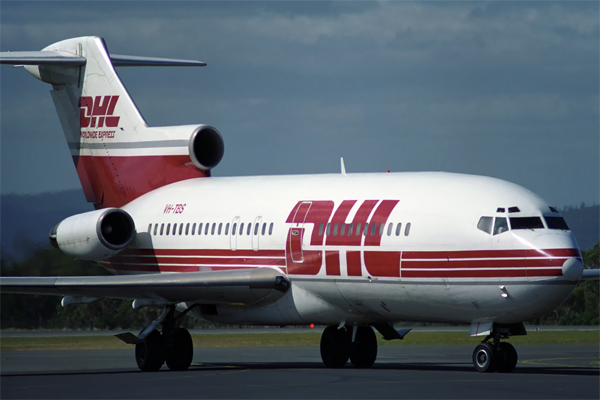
(206, 147)
(94, 235)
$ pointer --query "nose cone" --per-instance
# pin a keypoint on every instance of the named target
(572, 269)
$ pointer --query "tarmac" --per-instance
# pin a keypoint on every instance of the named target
(407, 372)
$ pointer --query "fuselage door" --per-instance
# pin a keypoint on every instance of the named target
(296, 232)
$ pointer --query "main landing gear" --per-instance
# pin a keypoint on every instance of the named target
(494, 356)
(357, 343)
(173, 346)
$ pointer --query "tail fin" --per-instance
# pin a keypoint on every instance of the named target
(117, 156)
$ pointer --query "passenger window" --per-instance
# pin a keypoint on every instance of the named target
(220, 227)
(320, 229)
(381, 227)
(174, 229)
(342, 229)
(206, 228)
(155, 229)
(241, 228)
(233, 230)
(407, 229)
(256, 229)
(193, 228)
(366, 229)
(200, 228)
(149, 229)
(350, 229)
(500, 225)
(485, 224)
(398, 228)
(271, 228)
(373, 228)
(328, 228)
(168, 229)
(556, 223)
(187, 229)
(264, 229)
(162, 228)
(390, 226)
(180, 229)
(358, 229)
(526, 223)
(214, 226)
(227, 229)
(249, 229)
(335, 226)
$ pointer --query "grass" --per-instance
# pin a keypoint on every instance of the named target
(292, 339)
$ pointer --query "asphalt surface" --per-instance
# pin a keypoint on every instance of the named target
(408, 372)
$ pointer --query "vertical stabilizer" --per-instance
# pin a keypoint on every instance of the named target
(117, 156)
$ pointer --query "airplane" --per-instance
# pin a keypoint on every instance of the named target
(353, 252)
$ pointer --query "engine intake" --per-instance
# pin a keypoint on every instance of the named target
(206, 147)
(95, 235)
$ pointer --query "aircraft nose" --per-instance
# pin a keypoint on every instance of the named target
(572, 269)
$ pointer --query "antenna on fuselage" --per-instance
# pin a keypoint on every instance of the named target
(343, 166)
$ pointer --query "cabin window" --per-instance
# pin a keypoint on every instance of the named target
(242, 228)
(233, 230)
(206, 228)
(149, 229)
(366, 229)
(485, 224)
(328, 230)
(249, 228)
(220, 228)
(168, 229)
(321, 229)
(389, 232)
(155, 229)
(500, 210)
(264, 229)
(500, 225)
(162, 228)
(358, 229)
(556, 223)
(407, 229)
(256, 229)
(227, 229)
(342, 229)
(554, 210)
(214, 227)
(187, 228)
(180, 229)
(335, 226)
(193, 228)
(398, 228)
(174, 229)
(513, 210)
(526, 223)
(350, 229)
(381, 227)
(271, 228)
(200, 228)
(373, 228)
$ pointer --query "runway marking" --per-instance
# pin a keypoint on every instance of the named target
(542, 361)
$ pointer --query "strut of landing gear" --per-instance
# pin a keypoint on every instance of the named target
(174, 345)
(358, 343)
(499, 356)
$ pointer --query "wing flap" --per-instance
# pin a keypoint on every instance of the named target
(243, 286)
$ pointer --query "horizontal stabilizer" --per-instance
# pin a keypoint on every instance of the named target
(41, 58)
(70, 60)
(591, 274)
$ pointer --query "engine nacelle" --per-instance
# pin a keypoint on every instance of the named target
(206, 147)
(95, 235)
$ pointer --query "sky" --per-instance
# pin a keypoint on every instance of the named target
(507, 89)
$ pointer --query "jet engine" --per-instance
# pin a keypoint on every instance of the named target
(95, 235)
(206, 147)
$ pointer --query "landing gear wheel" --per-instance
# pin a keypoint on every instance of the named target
(181, 352)
(150, 353)
(363, 351)
(507, 357)
(335, 347)
(485, 357)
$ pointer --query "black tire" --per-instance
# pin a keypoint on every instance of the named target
(485, 358)
(363, 351)
(335, 347)
(507, 357)
(150, 353)
(181, 352)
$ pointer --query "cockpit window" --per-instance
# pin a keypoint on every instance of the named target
(485, 224)
(500, 225)
(526, 223)
(556, 223)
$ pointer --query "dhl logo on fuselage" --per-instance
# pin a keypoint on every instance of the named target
(361, 231)
(97, 112)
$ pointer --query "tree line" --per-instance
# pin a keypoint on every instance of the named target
(45, 312)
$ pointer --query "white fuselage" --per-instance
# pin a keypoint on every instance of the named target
(400, 246)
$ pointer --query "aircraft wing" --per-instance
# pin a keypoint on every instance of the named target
(242, 286)
(591, 274)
